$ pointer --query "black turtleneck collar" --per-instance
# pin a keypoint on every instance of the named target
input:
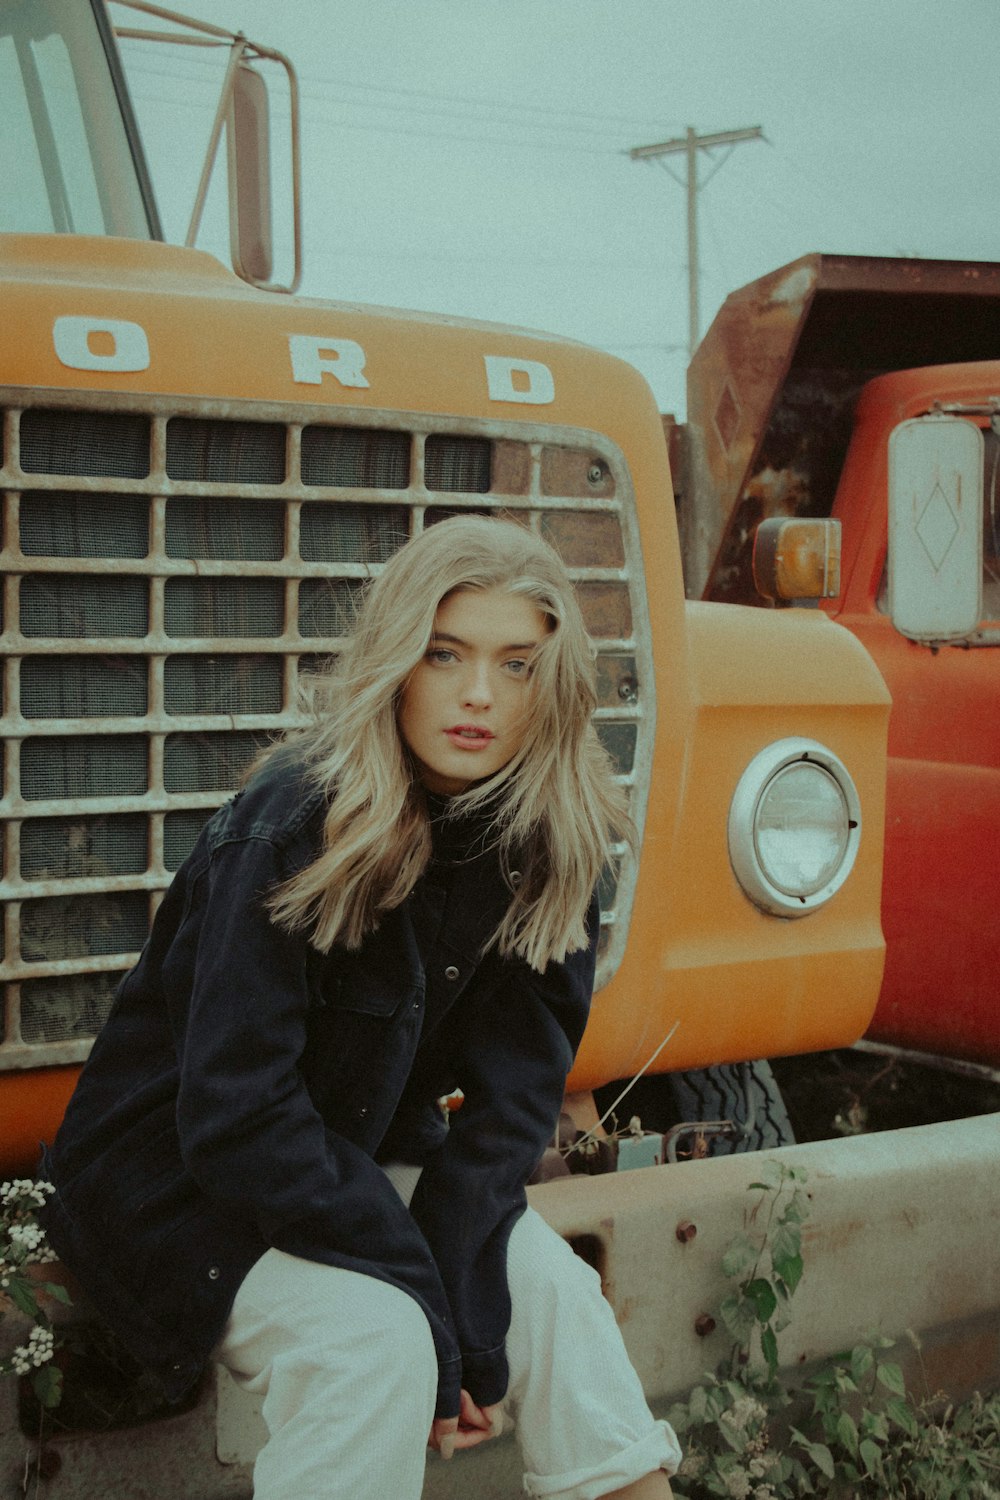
(457, 838)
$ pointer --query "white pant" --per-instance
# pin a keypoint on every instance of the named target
(347, 1368)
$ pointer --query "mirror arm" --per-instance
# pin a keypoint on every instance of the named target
(236, 52)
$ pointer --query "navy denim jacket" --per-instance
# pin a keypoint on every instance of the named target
(239, 1094)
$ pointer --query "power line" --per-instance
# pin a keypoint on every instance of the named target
(454, 106)
(465, 137)
(325, 106)
(522, 107)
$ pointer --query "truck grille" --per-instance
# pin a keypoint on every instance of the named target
(168, 574)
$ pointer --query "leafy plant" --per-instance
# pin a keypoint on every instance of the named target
(23, 1246)
(876, 1441)
(766, 1264)
(851, 1431)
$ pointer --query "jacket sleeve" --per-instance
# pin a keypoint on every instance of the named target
(250, 1134)
(511, 1046)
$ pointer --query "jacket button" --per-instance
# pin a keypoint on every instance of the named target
(214, 1273)
(451, 972)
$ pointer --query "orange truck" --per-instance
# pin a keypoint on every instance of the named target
(866, 392)
(199, 470)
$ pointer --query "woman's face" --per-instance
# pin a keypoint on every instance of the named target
(463, 711)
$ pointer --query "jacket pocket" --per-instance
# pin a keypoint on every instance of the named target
(115, 1172)
(361, 1034)
(352, 982)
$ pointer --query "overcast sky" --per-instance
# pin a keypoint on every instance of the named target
(471, 156)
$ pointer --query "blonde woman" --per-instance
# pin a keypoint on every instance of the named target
(399, 905)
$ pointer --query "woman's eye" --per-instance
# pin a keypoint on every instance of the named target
(440, 654)
(519, 667)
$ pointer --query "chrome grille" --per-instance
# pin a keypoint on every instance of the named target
(463, 465)
(76, 847)
(79, 768)
(53, 524)
(356, 458)
(70, 604)
(169, 575)
(82, 687)
(222, 685)
(113, 445)
(225, 452)
(224, 529)
(346, 532)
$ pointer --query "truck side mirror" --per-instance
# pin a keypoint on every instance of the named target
(243, 110)
(248, 141)
(936, 468)
(797, 558)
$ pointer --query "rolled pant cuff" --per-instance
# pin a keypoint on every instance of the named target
(659, 1449)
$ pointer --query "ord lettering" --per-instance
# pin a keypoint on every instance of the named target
(115, 345)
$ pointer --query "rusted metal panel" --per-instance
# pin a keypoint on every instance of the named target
(772, 388)
(733, 381)
(572, 471)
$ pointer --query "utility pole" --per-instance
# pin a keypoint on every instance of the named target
(691, 143)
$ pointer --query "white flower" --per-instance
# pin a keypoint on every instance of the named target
(23, 1188)
(737, 1483)
(742, 1413)
(30, 1236)
(763, 1465)
(37, 1351)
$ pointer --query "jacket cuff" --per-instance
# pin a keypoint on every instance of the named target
(485, 1376)
(449, 1397)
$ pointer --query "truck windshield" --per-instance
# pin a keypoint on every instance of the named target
(68, 166)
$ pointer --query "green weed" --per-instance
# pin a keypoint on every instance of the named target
(851, 1431)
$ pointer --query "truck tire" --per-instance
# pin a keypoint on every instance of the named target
(745, 1093)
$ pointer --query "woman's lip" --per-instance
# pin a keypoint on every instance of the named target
(470, 736)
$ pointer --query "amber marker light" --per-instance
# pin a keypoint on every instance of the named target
(794, 558)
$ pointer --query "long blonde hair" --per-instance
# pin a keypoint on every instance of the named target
(555, 806)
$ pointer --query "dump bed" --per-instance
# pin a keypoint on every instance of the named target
(772, 387)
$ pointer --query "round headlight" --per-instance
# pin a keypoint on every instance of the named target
(794, 827)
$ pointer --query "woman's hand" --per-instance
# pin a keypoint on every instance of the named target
(473, 1425)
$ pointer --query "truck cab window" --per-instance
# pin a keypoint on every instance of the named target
(64, 141)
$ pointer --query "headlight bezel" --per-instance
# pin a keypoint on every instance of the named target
(744, 852)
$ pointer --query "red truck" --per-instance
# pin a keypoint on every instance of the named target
(867, 391)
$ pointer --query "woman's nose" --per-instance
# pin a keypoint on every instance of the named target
(477, 692)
